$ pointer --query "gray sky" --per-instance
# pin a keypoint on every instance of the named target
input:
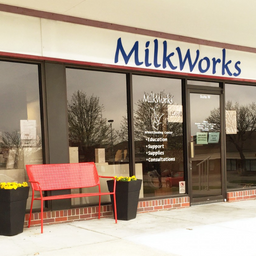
(109, 87)
(19, 86)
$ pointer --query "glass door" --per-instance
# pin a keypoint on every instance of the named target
(205, 147)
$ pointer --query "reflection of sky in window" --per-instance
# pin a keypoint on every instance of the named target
(201, 106)
(109, 87)
(156, 85)
(19, 87)
(202, 83)
(244, 95)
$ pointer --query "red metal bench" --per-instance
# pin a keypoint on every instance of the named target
(46, 177)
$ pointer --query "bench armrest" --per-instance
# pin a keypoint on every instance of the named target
(110, 177)
(37, 184)
(107, 177)
(32, 181)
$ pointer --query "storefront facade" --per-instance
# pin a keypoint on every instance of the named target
(180, 115)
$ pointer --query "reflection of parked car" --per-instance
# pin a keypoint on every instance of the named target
(174, 180)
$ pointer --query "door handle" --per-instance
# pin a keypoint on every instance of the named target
(192, 151)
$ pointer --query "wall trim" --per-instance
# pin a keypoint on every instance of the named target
(91, 212)
(68, 63)
(241, 195)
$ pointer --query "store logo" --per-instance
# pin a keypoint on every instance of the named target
(158, 98)
(165, 59)
(156, 118)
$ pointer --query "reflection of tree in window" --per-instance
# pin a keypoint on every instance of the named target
(143, 121)
(87, 128)
(152, 116)
(246, 127)
(12, 146)
(11, 140)
(149, 117)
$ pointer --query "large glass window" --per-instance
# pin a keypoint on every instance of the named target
(241, 136)
(20, 125)
(97, 110)
(158, 125)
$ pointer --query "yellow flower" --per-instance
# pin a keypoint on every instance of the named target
(12, 185)
(133, 177)
(127, 179)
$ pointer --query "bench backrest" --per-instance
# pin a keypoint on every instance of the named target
(63, 176)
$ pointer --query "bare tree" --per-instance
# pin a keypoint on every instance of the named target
(153, 116)
(87, 127)
(11, 140)
(148, 117)
(122, 134)
(246, 126)
(144, 120)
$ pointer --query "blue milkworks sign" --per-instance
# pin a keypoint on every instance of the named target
(156, 55)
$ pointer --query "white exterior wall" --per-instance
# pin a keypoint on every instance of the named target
(229, 21)
(61, 40)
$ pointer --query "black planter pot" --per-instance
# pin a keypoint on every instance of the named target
(127, 197)
(12, 210)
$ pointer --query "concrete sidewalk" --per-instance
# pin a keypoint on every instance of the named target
(212, 229)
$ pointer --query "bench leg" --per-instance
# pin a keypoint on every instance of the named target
(99, 207)
(115, 212)
(42, 215)
(31, 207)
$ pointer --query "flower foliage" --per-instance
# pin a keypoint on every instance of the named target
(12, 185)
(127, 179)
